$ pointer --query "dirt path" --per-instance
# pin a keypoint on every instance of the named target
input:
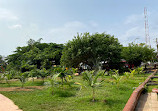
(7, 105)
(29, 88)
(147, 102)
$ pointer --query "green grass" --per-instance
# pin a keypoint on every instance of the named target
(150, 87)
(108, 96)
(17, 83)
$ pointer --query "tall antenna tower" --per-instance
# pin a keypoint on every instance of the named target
(147, 37)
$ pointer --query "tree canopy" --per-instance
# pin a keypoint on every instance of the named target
(35, 55)
(91, 49)
(135, 54)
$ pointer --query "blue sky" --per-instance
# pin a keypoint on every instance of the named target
(60, 20)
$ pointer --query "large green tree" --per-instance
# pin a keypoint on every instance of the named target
(137, 53)
(35, 55)
(91, 49)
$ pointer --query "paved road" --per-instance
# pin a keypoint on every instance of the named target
(7, 105)
(147, 102)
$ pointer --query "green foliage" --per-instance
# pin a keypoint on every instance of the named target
(132, 73)
(53, 82)
(1, 77)
(7, 76)
(135, 54)
(33, 73)
(91, 49)
(139, 70)
(92, 80)
(108, 97)
(64, 75)
(110, 73)
(1, 59)
(2, 64)
(117, 77)
(42, 73)
(127, 75)
(113, 72)
(35, 55)
(22, 77)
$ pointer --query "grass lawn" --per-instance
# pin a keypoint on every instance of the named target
(108, 96)
(150, 87)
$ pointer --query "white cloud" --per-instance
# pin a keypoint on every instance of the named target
(135, 18)
(17, 26)
(135, 34)
(133, 29)
(10, 39)
(68, 31)
(6, 14)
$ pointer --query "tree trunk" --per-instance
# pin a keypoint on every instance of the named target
(96, 66)
(93, 95)
(154, 66)
(32, 79)
(22, 85)
(43, 79)
(8, 82)
(145, 66)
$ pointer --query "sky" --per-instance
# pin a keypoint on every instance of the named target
(58, 21)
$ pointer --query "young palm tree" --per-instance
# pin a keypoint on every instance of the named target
(117, 79)
(22, 77)
(92, 80)
(7, 76)
(63, 74)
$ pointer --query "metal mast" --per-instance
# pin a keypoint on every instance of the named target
(147, 37)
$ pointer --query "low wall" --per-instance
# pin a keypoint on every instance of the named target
(132, 101)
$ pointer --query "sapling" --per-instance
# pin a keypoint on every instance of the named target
(43, 73)
(117, 78)
(53, 82)
(127, 75)
(22, 77)
(7, 76)
(139, 70)
(133, 72)
(64, 75)
(92, 80)
(33, 73)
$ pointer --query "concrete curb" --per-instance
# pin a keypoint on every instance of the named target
(132, 101)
